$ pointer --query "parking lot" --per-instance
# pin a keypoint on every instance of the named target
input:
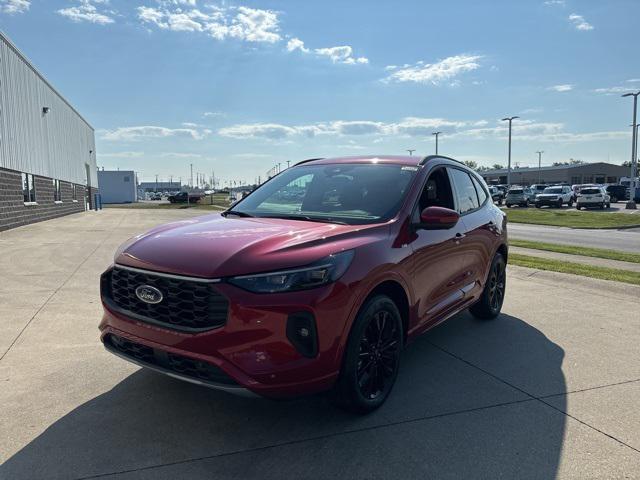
(550, 389)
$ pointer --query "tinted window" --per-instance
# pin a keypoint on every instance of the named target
(516, 191)
(348, 193)
(590, 191)
(465, 191)
(553, 190)
(482, 193)
(437, 191)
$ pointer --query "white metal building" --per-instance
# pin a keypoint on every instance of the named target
(118, 186)
(47, 149)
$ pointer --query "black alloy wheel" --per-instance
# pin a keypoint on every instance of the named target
(490, 302)
(378, 357)
(372, 357)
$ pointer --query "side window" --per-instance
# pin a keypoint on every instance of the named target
(28, 188)
(465, 191)
(437, 191)
(482, 193)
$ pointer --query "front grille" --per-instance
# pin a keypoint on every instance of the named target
(187, 305)
(154, 357)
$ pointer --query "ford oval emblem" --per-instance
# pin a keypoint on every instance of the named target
(149, 294)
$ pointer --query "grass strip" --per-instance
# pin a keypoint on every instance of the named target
(602, 273)
(573, 250)
(571, 218)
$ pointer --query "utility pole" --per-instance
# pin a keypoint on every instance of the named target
(191, 184)
(288, 163)
(539, 152)
(156, 189)
(631, 204)
(510, 120)
(436, 134)
(411, 151)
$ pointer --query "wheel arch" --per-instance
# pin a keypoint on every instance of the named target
(396, 292)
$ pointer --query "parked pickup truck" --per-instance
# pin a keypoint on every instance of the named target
(184, 197)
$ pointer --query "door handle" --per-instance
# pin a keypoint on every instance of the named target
(460, 235)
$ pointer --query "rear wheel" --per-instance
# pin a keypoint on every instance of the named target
(559, 204)
(570, 203)
(372, 357)
(490, 302)
(614, 199)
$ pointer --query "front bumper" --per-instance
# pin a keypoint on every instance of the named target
(548, 201)
(254, 348)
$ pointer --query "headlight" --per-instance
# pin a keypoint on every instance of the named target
(325, 271)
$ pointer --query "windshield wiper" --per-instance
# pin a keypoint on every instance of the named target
(237, 213)
(305, 218)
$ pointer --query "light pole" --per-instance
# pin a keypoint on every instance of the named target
(436, 134)
(411, 151)
(631, 204)
(510, 120)
(539, 152)
(191, 185)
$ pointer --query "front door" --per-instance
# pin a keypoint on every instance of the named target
(437, 265)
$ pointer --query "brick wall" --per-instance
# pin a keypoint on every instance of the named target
(13, 211)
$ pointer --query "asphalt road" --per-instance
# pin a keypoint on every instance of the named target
(625, 240)
(550, 389)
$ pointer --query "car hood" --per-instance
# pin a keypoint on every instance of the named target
(215, 246)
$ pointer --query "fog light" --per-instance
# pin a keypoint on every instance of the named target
(301, 332)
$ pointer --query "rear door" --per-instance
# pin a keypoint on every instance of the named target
(479, 230)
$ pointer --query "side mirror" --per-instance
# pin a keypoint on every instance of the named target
(438, 218)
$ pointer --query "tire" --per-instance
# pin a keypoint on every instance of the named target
(570, 203)
(499, 201)
(608, 205)
(537, 206)
(614, 199)
(526, 204)
(376, 334)
(492, 297)
(602, 206)
(559, 205)
(508, 205)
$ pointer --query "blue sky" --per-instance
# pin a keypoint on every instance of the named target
(238, 87)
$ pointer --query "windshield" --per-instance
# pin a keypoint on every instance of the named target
(553, 190)
(590, 191)
(341, 193)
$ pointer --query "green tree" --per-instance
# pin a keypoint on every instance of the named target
(471, 164)
(497, 166)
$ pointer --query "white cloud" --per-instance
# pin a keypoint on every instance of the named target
(436, 73)
(341, 54)
(212, 114)
(613, 90)
(242, 23)
(138, 133)
(633, 80)
(296, 44)
(579, 22)
(565, 87)
(86, 11)
(14, 6)
(121, 154)
(556, 3)
(408, 127)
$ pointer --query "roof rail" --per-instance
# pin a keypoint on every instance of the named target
(430, 157)
(307, 160)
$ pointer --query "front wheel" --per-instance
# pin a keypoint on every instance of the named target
(490, 302)
(570, 203)
(372, 357)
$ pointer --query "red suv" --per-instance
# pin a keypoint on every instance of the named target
(315, 281)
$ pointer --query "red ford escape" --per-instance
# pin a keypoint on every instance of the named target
(313, 282)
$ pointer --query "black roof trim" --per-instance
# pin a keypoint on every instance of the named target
(308, 160)
(431, 157)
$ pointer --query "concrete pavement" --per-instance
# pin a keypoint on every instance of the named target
(547, 390)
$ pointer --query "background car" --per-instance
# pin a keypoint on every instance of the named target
(519, 196)
(497, 195)
(555, 196)
(617, 192)
(591, 197)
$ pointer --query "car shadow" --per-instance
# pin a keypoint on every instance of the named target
(459, 409)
